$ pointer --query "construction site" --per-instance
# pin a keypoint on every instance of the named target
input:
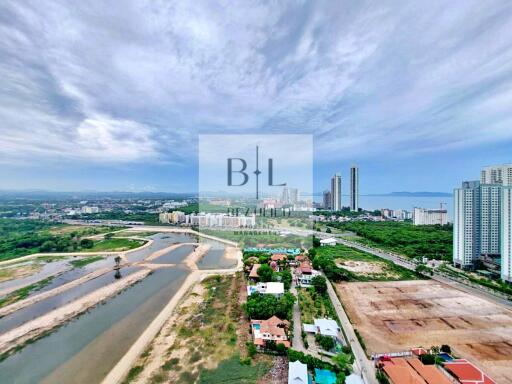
(399, 315)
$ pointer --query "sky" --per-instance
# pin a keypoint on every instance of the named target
(112, 98)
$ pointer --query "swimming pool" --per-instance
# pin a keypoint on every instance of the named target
(324, 376)
(445, 356)
(256, 326)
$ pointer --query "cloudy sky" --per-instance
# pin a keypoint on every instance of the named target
(97, 95)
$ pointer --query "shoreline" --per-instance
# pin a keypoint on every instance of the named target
(41, 325)
(119, 372)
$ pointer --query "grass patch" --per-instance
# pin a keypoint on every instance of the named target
(83, 262)
(231, 371)
(362, 266)
(24, 292)
(314, 306)
(114, 245)
(431, 241)
(133, 373)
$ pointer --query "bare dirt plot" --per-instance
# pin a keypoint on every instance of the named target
(398, 315)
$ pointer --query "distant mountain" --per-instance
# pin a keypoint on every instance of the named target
(90, 195)
(415, 194)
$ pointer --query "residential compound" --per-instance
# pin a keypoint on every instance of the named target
(422, 216)
(208, 219)
(483, 220)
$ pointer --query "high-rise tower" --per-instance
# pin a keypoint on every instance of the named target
(354, 189)
(336, 192)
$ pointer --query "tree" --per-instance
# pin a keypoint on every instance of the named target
(320, 284)
(327, 343)
(328, 230)
(47, 246)
(86, 243)
(280, 348)
(108, 236)
(263, 307)
(343, 361)
(266, 273)
(286, 278)
(446, 348)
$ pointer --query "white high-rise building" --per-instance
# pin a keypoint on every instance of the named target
(336, 192)
(506, 234)
(354, 189)
(490, 219)
(497, 174)
(422, 216)
(466, 224)
(482, 220)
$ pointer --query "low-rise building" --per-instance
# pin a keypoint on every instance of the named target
(324, 327)
(271, 288)
(331, 241)
(273, 329)
(297, 373)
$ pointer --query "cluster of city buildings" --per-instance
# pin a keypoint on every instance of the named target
(208, 219)
(482, 226)
(332, 198)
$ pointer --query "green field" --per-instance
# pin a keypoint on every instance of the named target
(356, 265)
(114, 244)
(83, 262)
(232, 371)
(431, 241)
(314, 305)
(25, 237)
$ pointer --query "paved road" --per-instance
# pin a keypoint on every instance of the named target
(363, 365)
(480, 292)
(475, 290)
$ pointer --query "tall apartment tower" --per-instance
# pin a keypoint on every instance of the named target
(327, 199)
(354, 189)
(466, 224)
(483, 220)
(336, 192)
(506, 234)
(497, 174)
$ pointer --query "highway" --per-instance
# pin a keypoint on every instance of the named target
(362, 364)
(462, 285)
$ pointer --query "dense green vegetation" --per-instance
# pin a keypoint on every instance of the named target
(232, 371)
(326, 258)
(314, 305)
(431, 241)
(263, 307)
(142, 216)
(26, 237)
(113, 245)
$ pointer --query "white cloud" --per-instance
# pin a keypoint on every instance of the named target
(98, 83)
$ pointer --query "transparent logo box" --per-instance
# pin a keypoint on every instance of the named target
(256, 190)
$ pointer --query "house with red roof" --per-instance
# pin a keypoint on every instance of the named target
(467, 373)
(273, 329)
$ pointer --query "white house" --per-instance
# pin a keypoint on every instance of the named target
(304, 280)
(276, 289)
(297, 373)
(324, 327)
(331, 241)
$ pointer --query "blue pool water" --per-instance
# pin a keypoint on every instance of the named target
(445, 356)
(324, 376)
(256, 326)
